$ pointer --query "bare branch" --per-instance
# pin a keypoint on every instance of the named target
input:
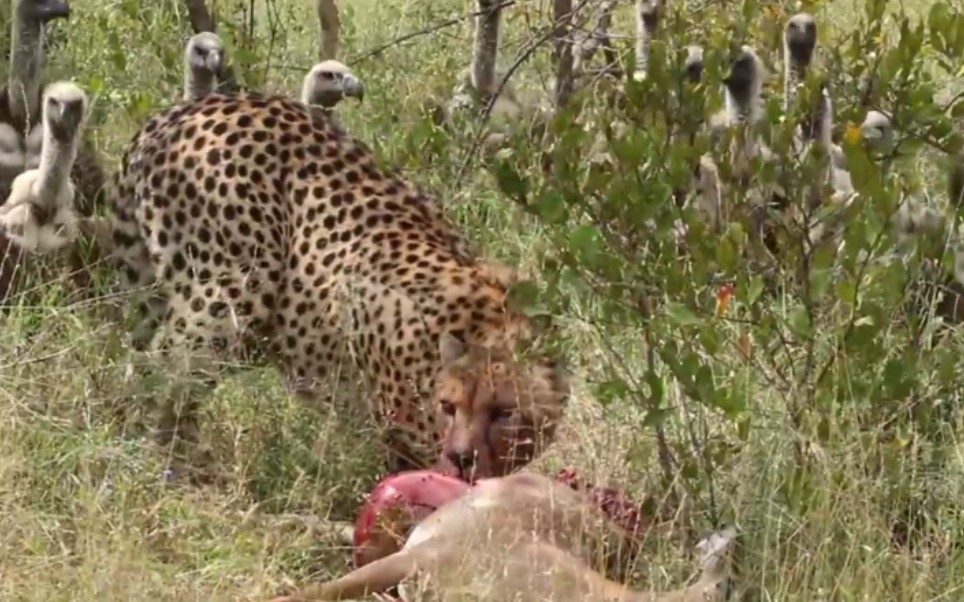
(200, 16)
(524, 55)
(597, 37)
(562, 24)
(485, 46)
(329, 22)
(423, 32)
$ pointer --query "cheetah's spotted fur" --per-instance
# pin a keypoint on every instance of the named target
(257, 214)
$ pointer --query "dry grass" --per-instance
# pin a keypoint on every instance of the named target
(87, 511)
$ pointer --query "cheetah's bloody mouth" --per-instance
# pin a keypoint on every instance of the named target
(469, 476)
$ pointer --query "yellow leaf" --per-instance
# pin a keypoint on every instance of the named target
(745, 346)
(853, 133)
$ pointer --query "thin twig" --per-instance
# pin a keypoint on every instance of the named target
(597, 37)
(423, 32)
(404, 38)
(524, 55)
(562, 15)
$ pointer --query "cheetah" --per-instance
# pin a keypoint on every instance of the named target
(256, 215)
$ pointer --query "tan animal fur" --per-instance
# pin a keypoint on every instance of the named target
(522, 537)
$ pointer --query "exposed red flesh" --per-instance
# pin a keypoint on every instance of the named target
(624, 512)
(400, 500)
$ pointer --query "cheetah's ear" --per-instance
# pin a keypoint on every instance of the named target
(450, 349)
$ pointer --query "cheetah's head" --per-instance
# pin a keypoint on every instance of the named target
(498, 412)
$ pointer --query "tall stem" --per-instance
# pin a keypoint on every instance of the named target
(26, 64)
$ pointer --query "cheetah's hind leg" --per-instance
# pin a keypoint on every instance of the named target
(202, 338)
(184, 374)
(173, 377)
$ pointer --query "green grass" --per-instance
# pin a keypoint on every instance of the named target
(87, 514)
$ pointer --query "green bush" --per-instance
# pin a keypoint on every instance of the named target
(820, 353)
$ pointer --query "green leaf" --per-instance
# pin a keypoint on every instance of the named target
(705, 384)
(820, 279)
(863, 336)
(612, 390)
(733, 406)
(681, 315)
(800, 323)
(754, 289)
(131, 8)
(728, 254)
(551, 207)
(939, 21)
(847, 292)
(95, 85)
(509, 180)
(898, 378)
(710, 339)
(586, 242)
(631, 150)
(523, 296)
(140, 106)
(656, 416)
(118, 52)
